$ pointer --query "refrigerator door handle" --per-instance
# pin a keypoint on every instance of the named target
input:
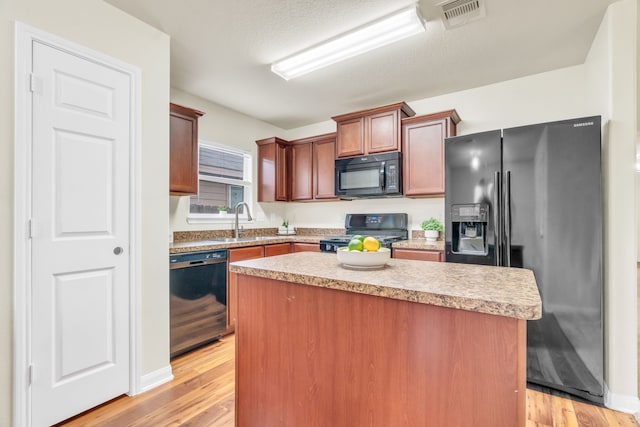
(507, 218)
(497, 185)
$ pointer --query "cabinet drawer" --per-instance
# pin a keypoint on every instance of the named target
(277, 249)
(417, 255)
(250, 252)
(306, 247)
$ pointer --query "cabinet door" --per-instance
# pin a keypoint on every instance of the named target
(350, 137)
(183, 143)
(301, 168)
(272, 170)
(306, 247)
(266, 173)
(417, 255)
(382, 132)
(423, 151)
(237, 254)
(324, 156)
(282, 168)
(277, 249)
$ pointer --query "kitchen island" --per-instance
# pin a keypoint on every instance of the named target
(413, 344)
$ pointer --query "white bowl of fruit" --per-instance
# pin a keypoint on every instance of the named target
(363, 253)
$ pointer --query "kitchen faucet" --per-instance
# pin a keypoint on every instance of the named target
(249, 218)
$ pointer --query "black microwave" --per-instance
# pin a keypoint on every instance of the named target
(375, 175)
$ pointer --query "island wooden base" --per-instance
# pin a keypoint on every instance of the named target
(310, 356)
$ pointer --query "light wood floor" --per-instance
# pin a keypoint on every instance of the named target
(202, 394)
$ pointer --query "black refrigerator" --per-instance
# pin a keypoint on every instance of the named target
(531, 197)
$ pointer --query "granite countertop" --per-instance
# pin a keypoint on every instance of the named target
(222, 243)
(422, 244)
(502, 291)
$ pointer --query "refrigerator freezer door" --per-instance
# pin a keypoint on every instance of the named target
(555, 215)
(472, 167)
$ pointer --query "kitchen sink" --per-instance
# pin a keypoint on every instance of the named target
(244, 239)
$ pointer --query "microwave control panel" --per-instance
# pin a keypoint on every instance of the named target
(392, 177)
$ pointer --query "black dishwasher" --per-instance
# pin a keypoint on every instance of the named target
(198, 299)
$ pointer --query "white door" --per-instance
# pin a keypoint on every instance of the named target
(80, 244)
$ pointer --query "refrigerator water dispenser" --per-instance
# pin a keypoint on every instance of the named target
(469, 229)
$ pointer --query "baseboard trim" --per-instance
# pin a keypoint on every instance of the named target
(623, 403)
(155, 378)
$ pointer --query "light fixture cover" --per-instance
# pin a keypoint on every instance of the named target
(389, 29)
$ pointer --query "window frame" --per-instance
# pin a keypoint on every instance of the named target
(246, 183)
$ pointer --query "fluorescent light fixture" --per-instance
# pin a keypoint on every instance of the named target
(389, 29)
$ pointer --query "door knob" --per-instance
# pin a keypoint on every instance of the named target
(117, 250)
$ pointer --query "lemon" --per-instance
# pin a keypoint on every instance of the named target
(355, 245)
(371, 244)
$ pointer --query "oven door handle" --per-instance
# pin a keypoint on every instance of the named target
(382, 175)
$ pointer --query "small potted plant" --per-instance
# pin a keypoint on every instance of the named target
(284, 228)
(222, 210)
(432, 228)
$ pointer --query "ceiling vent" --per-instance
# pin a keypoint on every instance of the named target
(459, 12)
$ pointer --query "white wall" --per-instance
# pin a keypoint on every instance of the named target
(638, 124)
(101, 27)
(611, 71)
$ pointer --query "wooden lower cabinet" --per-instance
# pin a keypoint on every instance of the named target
(306, 247)
(237, 254)
(335, 360)
(242, 254)
(277, 249)
(418, 255)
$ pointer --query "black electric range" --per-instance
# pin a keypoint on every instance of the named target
(386, 227)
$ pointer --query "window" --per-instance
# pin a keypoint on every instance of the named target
(224, 177)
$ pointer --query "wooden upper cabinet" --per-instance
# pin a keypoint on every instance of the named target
(324, 158)
(282, 172)
(183, 151)
(350, 137)
(273, 168)
(382, 130)
(423, 152)
(302, 171)
(312, 168)
(370, 131)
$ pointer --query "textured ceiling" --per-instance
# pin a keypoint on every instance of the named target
(221, 50)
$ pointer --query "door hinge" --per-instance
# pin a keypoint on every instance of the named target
(30, 230)
(33, 82)
(30, 374)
